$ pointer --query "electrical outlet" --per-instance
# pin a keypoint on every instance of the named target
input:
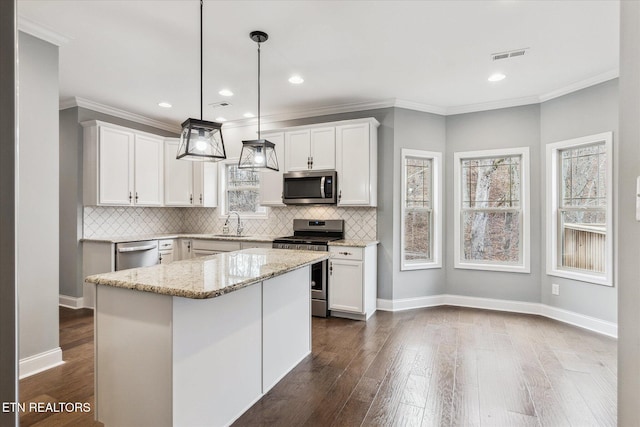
(555, 289)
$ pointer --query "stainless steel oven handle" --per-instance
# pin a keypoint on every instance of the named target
(137, 248)
(322, 187)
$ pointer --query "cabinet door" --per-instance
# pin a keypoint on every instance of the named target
(148, 171)
(166, 257)
(345, 286)
(205, 184)
(353, 164)
(323, 148)
(115, 182)
(186, 250)
(297, 150)
(271, 181)
(178, 177)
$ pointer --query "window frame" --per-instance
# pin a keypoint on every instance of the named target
(553, 177)
(223, 199)
(436, 202)
(524, 266)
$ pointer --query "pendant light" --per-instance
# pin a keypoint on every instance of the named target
(258, 153)
(201, 140)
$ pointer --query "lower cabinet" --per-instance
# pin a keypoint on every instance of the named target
(353, 281)
(167, 251)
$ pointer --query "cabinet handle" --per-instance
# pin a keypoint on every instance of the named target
(130, 197)
(345, 253)
(191, 198)
(200, 198)
(330, 269)
(339, 195)
(160, 259)
(309, 162)
(136, 197)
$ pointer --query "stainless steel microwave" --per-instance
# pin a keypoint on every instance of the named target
(309, 188)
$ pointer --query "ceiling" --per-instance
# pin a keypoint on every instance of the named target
(427, 55)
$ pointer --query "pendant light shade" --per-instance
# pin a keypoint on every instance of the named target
(201, 140)
(258, 153)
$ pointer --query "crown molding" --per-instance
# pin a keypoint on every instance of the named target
(27, 26)
(112, 111)
(417, 106)
(574, 87)
(492, 105)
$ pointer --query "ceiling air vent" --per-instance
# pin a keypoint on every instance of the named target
(508, 54)
(220, 104)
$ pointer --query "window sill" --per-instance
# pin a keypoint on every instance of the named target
(492, 267)
(581, 277)
(420, 266)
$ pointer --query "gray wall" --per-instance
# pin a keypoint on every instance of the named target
(629, 235)
(71, 190)
(419, 131)
(37, 224)
(8, 321)
(504, 128)
(585, 112)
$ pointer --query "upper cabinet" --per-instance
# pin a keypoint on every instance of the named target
(188, 183)
(271, 181)
(121, 167)
(310, 149)
(357, 163)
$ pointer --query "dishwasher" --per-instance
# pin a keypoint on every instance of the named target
(137, 254)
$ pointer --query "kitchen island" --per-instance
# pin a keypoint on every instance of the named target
(197, 342)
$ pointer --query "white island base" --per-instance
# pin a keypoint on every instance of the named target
(164, 360)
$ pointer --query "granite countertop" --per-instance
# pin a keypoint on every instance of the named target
(354, 243)
(210, 276)
(229, 237)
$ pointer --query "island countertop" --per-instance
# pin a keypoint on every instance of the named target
(210, 276)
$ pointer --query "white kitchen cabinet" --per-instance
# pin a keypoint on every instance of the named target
(186, 250)
(122, 167)
(310, 149)
(357, 163)
(271, 181)
(353, 281)
(166, 249)
(188, 183)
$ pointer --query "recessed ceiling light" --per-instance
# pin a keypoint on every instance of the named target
(296, 79)
(226, 92)
(496, 77)
(248, 115)
(164, 104)
(220, 119)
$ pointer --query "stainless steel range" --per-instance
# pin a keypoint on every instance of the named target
(314, 235)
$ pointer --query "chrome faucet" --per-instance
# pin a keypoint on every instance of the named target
(226, 224)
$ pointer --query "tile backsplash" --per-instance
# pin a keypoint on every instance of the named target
(360, 223)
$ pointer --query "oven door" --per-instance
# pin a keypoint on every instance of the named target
(319, 289)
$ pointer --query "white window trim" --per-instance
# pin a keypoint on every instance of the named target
(222, 187)
(553, 150)
(525, 263)
(436, 183)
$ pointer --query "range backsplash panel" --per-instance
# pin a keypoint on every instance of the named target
(99, 222)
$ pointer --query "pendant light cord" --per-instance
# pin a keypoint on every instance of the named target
(201, 66)
(259, 90)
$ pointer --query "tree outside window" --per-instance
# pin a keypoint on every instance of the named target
(240, 190)
(491, 204)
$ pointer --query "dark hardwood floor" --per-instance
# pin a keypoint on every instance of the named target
(444, 366)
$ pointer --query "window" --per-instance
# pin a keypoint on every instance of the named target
(492, 210)
(579, 209)
(240, 190)
(421, 222)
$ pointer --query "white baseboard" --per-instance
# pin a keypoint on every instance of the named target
(586, 322)
(40, 362)
(71, 302)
